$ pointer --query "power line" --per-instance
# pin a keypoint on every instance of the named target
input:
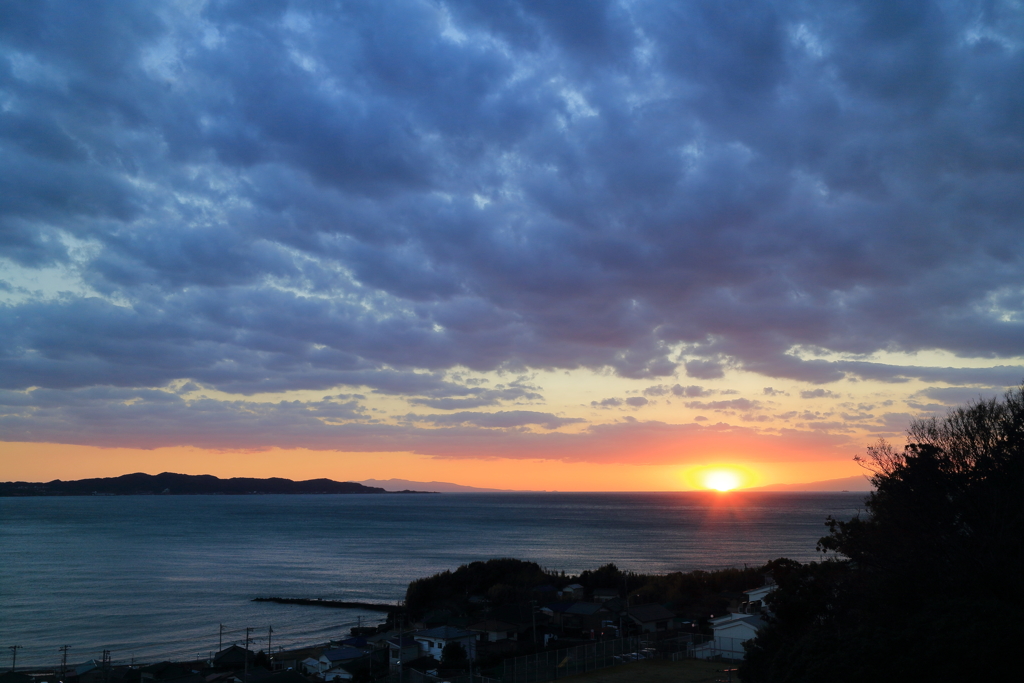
(14, 654)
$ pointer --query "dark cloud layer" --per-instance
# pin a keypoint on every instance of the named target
(282, 195)
(153, 419)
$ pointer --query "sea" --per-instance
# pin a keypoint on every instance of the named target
(151, 578)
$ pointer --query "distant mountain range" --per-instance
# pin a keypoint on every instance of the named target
(855, 483)
(205, 484)
(429, 486)
(180, 484)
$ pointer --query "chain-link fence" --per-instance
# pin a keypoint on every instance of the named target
(716, 648)
(548, 666)
(413, 676)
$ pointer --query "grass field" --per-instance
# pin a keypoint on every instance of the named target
(659, 671)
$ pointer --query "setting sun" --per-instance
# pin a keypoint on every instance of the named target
(721, 480)
(720, 477)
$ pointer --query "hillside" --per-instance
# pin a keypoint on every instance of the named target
(179, 484)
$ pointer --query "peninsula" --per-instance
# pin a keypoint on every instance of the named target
(168, 483)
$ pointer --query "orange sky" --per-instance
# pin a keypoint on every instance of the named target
(44, 462)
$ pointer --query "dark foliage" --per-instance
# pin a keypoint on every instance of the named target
(928, 585)
(506, 580)
(454, 656)
(699, 593)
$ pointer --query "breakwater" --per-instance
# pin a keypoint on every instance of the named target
(320, 602)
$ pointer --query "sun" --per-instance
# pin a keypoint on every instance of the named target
(722, 477)
(721, 480)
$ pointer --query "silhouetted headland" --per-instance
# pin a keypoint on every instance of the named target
(169, 483)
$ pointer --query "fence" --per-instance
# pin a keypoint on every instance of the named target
(548, 666)
(717, 648)
(413, 676)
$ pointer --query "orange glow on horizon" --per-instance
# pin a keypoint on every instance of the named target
(45, 462)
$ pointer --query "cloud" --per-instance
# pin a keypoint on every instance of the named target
(504, 419)
(733, 404)
(607, 403)
(704, 369)
(116, 417)
(818, 393)
(690, 391)
(282, 197)
(959, 395)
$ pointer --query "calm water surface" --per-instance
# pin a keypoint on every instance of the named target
(153, 577)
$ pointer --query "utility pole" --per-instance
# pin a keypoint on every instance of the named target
(270, 635)
(14, 654)
(220, 643)
(245, 676)
(106, 665)
(64, 659)
(533, 615)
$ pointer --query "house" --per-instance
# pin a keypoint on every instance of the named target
(585, 616)
(573, 591)
(605, 594)
(292, 659)
(310, 665)
(233, 657)
(524, 616)
(577, 615)
(338, 673)
(651, 618)
(338, 656)
(493, 630)
(556, 611)
(754, 599)
(731, 631)
(432, 641)
(224, 677)
(402, 649)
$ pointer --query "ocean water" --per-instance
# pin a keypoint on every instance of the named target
(154, 577)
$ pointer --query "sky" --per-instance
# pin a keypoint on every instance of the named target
(574, 245)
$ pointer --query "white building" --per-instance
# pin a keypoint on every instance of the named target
(731, 631)
(432, 641)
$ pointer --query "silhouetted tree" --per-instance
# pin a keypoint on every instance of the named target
(927, 586)
(454, 656)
